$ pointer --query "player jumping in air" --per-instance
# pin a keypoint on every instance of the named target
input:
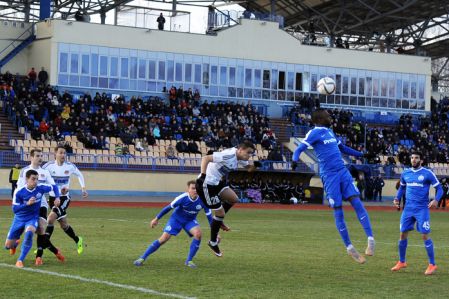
(187, 207)
(26, 204)
(336, 178)
(415, 182)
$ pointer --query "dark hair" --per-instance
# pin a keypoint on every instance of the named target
(416, 153)
(59, 146)
(35, 150)
(191, 182)
(30, 172)
(317, 116)
(247, 144)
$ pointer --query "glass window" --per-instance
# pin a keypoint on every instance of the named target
(197, 73)
(274, 81)
(240, 79)
(133, 68)
(338, 85)
(188, 72)
(369, 86)
(93, 65)
(178, 72)
(152, 70)
(214, 75)
(290, 80)
(142, 68)
(353, 86)
(205, 73)
(413, 90)
(114, 68)
(392, 88)
(281, 82)
(384, 87)
(223, 75)
(63, 61)
(170, 70)
(422, 81)
(104, 67)
(124, 67)
(74, 63)
(405, 89)
(257, 78)
(298, 85)
(398, 89)
(161, 71)
(232, 76)
(361, 86)
(85, 64)
(248, 78)
(376, 87)
(266, 79)
(345, 85)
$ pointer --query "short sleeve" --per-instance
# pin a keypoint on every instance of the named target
(311, 137)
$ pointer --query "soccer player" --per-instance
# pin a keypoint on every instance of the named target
(187, 207)
(212, 189)
(61, 170)
(415, 182)
(336, 178)
(26, 204)
(44, 177)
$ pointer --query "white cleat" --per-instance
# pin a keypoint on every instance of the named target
(356, 255)
(370, 248)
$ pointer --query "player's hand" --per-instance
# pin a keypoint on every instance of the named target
(294, 165)
(57, 202)
(154, 222)
(433, 203)
(64, 190)
(396, 203)
(31, 201)
(85, 194)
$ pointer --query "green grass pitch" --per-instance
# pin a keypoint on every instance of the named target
(268, 254)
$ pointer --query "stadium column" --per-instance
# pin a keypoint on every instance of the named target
(44, 11)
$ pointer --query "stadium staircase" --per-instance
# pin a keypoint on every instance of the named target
(7, 132)
(16, 46)
(282, 127)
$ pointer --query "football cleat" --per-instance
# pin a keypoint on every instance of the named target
(190, 264)
(19, 264)
(370, 248)
(139, 262)
(59, 256)
(356, 255)
(39, 261)
(399, 265)
(224, 227)
(80, 248)
(430, 269)
(12, 251)
(215, 249)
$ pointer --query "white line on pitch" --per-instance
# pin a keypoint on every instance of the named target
(104, 282)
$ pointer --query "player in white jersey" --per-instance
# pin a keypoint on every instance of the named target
(212, 188)
(44, 177)
(61, 170)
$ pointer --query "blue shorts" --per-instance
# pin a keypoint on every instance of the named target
(174, 226)
(420, 216)
(18, 226)
(339, 186)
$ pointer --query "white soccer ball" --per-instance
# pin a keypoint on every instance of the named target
(294, 200)
(326, 86)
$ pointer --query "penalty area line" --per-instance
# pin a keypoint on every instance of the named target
(98, 281)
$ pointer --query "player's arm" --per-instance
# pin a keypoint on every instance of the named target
(349, 151)
(19, 204)
(400, 193)
(204, 162)
(439, 191)
(51, 182)
(80, 176)
(175, 203)
(311, 137)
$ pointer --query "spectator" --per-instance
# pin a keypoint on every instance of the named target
(170, 152)
(160, 22)
(14, 177)
(378, 186)
(182, 147)
(43, 76)
(445, 185)
(193, 147)
(32, 76)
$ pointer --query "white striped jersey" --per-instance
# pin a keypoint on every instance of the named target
(61, 174)
(223, 162)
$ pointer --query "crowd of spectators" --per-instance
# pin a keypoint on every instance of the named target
(50, 115)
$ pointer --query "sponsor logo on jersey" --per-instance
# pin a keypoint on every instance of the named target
(42, 175)
(327, 141)
(421, 178)
(66, 172)
(414, 184)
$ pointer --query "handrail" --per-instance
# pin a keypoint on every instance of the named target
(17, 39)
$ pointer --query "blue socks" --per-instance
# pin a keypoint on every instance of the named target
(402, 249)
(362, 215)
(194, 246)
(429, 248)
(26, 245)
(152, 248)
(341, 225)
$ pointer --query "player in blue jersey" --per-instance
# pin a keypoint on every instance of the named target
(26, 204)
(186, 207)
(416, 182)
(336, 178)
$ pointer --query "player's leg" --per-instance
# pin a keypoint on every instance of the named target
(407, 223)
(71, 233)
(423, 226)
(27, 243)
(228, 199)
(13, 237)
(153, 248)
(194, 231)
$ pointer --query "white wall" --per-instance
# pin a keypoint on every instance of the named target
(10, 31)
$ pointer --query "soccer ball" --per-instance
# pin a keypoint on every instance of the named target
(294, 200)
(326, 86)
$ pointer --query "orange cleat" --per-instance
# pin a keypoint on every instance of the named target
(38, 261)
(399, 265)
(59, 256)
(430, 269)
(224, 227)
(12, 251)
(19, 264)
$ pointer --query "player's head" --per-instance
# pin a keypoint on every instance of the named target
(31, 178)
(191, 189)
(245, 150)
(321, 117)
(60, 153)
(36, 156)
(415, 159)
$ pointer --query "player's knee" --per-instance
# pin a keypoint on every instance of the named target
(219, 213)
(197, 234)
(63, 225)
(30, 229)
(9, 243)
(425, 237)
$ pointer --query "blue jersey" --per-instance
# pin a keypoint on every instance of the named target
(20, 208)
(326, 146)
(417, 183)
(186, 208)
